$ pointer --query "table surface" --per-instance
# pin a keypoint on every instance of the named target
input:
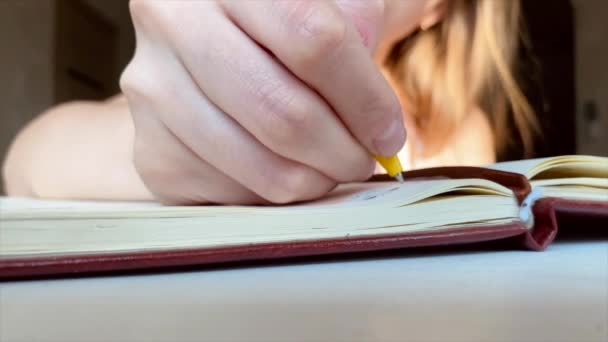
(458, 294)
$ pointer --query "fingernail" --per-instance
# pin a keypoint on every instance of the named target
(391, 140)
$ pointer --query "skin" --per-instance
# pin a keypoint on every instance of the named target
(235, 102)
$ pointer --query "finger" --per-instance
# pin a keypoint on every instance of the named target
(272, 104)
(174, 173)
(367, 16)
(315, 41)
(213, 136)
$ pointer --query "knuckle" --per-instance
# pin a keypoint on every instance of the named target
(321, 29)
(291, 186)
(139, 81)
(127, 81)
(287, 114)
(130, 78)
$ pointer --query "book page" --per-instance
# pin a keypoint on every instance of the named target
(524, 167)
(557, 167)
(33, 227)
(344, 194)
(344, 197)
(591, 189)
(389, 194)
(601, 183)
(200, 229)
(24, 203)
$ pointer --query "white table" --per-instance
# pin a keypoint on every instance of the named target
(462, 295)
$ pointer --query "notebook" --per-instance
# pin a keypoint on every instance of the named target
(436, 206)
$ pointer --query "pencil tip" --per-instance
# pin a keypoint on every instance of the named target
(399, 177)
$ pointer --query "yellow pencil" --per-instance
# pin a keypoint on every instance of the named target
(392, 165)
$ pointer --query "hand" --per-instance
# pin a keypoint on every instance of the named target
(257, 101)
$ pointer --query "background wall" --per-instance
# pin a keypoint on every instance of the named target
(25, 69)
(117, 12)
(592, 76)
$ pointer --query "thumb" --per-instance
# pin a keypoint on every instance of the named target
(367, 16)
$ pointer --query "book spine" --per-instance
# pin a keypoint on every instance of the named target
(526, 214)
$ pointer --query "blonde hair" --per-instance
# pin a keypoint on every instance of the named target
(464, 63)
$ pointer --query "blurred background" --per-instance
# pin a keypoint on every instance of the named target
(58, 50)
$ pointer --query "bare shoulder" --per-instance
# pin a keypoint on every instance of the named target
(45, 139)
(118, 99)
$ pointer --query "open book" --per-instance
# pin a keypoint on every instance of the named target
(433, 207)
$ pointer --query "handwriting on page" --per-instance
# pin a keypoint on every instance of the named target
(372, 194)
(363, 194)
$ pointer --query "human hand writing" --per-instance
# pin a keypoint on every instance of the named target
(247, 102)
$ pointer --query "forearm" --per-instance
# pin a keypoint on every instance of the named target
(79, 150)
